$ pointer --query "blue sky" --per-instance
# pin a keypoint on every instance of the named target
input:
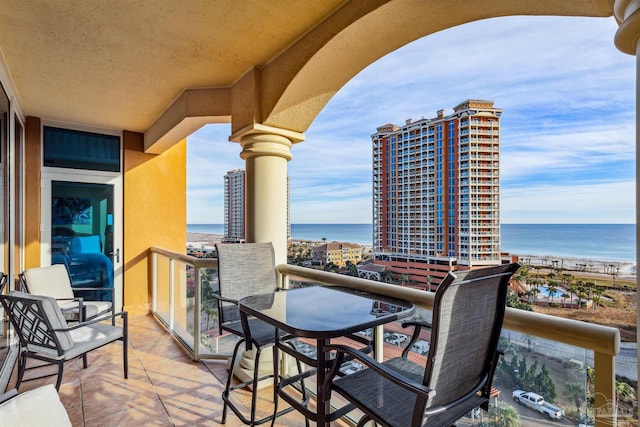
(567, 130)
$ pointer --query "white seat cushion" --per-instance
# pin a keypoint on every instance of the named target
(35, 408)
(70, 308)
(92, 336)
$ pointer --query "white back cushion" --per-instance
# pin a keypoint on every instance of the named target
(52, 281)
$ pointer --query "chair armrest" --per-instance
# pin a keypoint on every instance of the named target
(417, 324)
(224, 299)
(8, 395)
(415, 335)
(122, 314)
(82, 309)
(381, 369)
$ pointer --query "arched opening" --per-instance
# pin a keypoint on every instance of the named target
(566, 134)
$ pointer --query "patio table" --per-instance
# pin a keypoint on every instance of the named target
(323, 313)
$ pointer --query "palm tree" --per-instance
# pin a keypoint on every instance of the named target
(535, 292)
(577, 394)
(504, 415)
(552, 288)
(429, 281)
(386, 275)
(352, 269)
(597, 296)
(331, 267)
(624, 392)
(404, 278)
(564, 297)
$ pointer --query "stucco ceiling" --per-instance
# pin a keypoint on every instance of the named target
(118, 64)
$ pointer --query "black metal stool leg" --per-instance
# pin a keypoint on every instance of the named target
(254, 391)
(225, 393)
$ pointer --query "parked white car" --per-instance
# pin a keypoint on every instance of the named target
(349, 368)
(396, 338)
(420, 347)
(537, 403)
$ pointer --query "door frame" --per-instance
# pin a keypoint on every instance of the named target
(89, 177)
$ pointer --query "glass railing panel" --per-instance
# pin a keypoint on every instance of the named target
(533, 367)
(212, 342)
(163, 288)
(183, 304)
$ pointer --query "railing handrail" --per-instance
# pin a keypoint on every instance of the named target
(599, 338)
(187, 259)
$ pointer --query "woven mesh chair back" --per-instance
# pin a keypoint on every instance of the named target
(467, 319)
(243, 270)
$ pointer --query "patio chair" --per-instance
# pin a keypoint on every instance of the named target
(45, 336)
(54, 281)
(468, 313)
(244, 270)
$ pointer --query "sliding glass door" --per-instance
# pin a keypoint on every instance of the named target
(82, 230)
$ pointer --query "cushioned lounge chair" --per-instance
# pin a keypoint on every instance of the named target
(54, 281)
(45, 336)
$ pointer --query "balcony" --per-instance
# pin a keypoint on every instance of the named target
(565, 347)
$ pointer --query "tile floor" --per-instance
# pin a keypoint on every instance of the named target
(165, 386)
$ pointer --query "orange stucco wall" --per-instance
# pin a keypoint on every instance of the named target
(32, 162)
(155, 213)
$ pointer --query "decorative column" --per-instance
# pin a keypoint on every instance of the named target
(627, 13)
(266, 151)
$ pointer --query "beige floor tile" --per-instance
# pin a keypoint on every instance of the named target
(150, 413)
(116, 395)
(165, 386)
(159, 350)
(179, 369)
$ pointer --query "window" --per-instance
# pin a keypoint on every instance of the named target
(65, 148)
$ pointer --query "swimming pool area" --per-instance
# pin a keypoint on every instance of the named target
(544, 291)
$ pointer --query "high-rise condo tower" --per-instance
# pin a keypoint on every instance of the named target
(234, 206)
(436, 192)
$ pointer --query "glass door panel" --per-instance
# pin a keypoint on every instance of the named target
(82, 235)
(8, 346)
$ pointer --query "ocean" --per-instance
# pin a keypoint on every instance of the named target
(610, 242)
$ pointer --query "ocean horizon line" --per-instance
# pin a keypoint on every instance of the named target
(614, 242)
(503, 223)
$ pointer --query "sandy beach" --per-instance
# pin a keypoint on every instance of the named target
(625, 268)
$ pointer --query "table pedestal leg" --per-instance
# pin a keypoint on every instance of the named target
(324, 403)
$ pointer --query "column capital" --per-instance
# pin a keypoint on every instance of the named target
(627, 13)
(260, 140)
(258, 128)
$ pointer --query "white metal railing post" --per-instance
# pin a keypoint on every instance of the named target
(154, 282)
(197, 327)
(378, 337)
(171, 295)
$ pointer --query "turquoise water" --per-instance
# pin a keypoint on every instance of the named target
(613, 242)
(545, 292)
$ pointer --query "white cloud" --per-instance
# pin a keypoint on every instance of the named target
(579, 204)
(568, 127)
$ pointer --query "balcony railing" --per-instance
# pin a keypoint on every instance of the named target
(175, 302)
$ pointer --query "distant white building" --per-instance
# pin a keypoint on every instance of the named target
(234, 206)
